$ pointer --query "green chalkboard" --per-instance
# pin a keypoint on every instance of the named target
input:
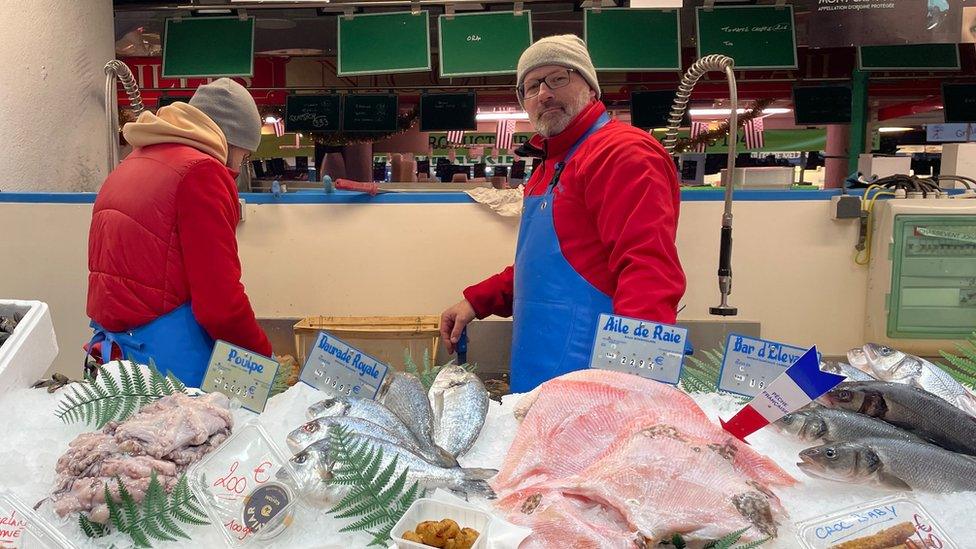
(208, 46)
(909, 57)
(617, 39)
(370, 113)
(483, 43)
(448, 111)
(383, 43)
(312, 113)
(757, 37)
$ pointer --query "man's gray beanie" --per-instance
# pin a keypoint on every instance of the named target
(565, 50)
(232, 108)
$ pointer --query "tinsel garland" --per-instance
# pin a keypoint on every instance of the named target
(712, 136)
(405, 121)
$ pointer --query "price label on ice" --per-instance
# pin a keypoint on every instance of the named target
(751, 364)
(639, 347)
(335, 367)
(241, 374)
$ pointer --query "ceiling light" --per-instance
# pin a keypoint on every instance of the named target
(269, 120)
(490, 116)
(894, 129)
(726, 112)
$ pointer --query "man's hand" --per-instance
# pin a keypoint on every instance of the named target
(453, 321)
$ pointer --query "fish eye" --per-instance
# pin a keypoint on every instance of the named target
(830, 453)
(300, 457)
(844, 395)
(310, 427)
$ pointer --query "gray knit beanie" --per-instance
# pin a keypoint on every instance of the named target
(565, 50)
(232, 108)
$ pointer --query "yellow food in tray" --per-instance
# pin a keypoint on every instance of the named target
(445, 534)
(893, 537)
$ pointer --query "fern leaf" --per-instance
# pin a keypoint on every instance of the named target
(139, 377)
(394, 490)
(350, 500)
(115, 515)
(91, 529)
(727, 541)
(753, 544)
(132, 517)
(108, 380)
(407, 499)
(370, 520)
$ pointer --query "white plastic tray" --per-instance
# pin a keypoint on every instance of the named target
(21, 527)
(431, 509)
(31, 349)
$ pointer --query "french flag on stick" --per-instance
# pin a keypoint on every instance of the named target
(798, 386)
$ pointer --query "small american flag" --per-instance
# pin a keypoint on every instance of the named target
(504, 133)
(698, 128)
(279, 127)
(754, 134)
(455, 137)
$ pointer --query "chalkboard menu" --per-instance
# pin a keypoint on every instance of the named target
(312, 113)
(816, 105)
(959, 101)
(440, 112)
(651, 109)
(370, 113)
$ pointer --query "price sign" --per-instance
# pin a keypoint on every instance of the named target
(640, 347)
(751, 364)
(241, 374)
(335, 367)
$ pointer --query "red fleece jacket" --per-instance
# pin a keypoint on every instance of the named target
(616, 219)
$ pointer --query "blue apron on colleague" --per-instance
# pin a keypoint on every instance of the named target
(555, 309)
(175, 342)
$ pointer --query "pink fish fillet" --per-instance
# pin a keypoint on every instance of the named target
(560, 521)
(661, 483)
(575, 419)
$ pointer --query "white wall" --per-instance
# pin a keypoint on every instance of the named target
(51, 93)
(792, 264)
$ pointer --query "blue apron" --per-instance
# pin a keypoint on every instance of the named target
(555, 310)
(175, 342)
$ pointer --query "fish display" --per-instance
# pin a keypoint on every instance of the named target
(314, 466)
(897, 464)
(608, 459)
(887, 364)
(406, 397)
(910, 408)
(835, 425)
(165, 437)
(459, 402)
(382, 417)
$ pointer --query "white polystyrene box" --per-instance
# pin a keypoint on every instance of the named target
(958, 159)
(883, 166)
(31, 349)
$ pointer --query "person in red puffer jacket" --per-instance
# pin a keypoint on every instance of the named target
(164, 276)
(598, 224)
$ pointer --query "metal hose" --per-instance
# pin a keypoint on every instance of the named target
(697, 70)
(117, 69)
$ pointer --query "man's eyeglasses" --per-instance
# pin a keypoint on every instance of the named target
(554, 81)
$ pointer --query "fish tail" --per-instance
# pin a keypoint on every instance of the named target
(479, 474)
(479, 487)
(446, 458)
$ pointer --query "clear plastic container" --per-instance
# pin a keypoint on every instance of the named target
(431, 509)
(897, 518)
(241, 490)
(22, 528)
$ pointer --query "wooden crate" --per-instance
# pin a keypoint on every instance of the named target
(383, 337)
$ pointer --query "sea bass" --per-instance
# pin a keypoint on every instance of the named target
(846, 370)
(460, 404)
(911, 408)
(383, 417)
(887, 364)
(315, 467)
(837, 425)
(895, 464)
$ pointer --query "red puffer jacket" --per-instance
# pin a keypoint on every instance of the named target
(163, 234)
(616, 219)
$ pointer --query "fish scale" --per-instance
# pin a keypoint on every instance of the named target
(460, 405)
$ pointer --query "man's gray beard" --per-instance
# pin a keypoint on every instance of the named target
(556, 125)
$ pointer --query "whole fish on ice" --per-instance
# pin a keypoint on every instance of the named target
(460, 405)
(910, 408)
(897, 464)
(837, 425)
(406, 397)
(887, 364)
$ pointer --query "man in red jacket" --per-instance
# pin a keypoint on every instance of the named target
(164, 276)
(598, 224)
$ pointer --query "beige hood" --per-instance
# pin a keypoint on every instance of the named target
(178, 123)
